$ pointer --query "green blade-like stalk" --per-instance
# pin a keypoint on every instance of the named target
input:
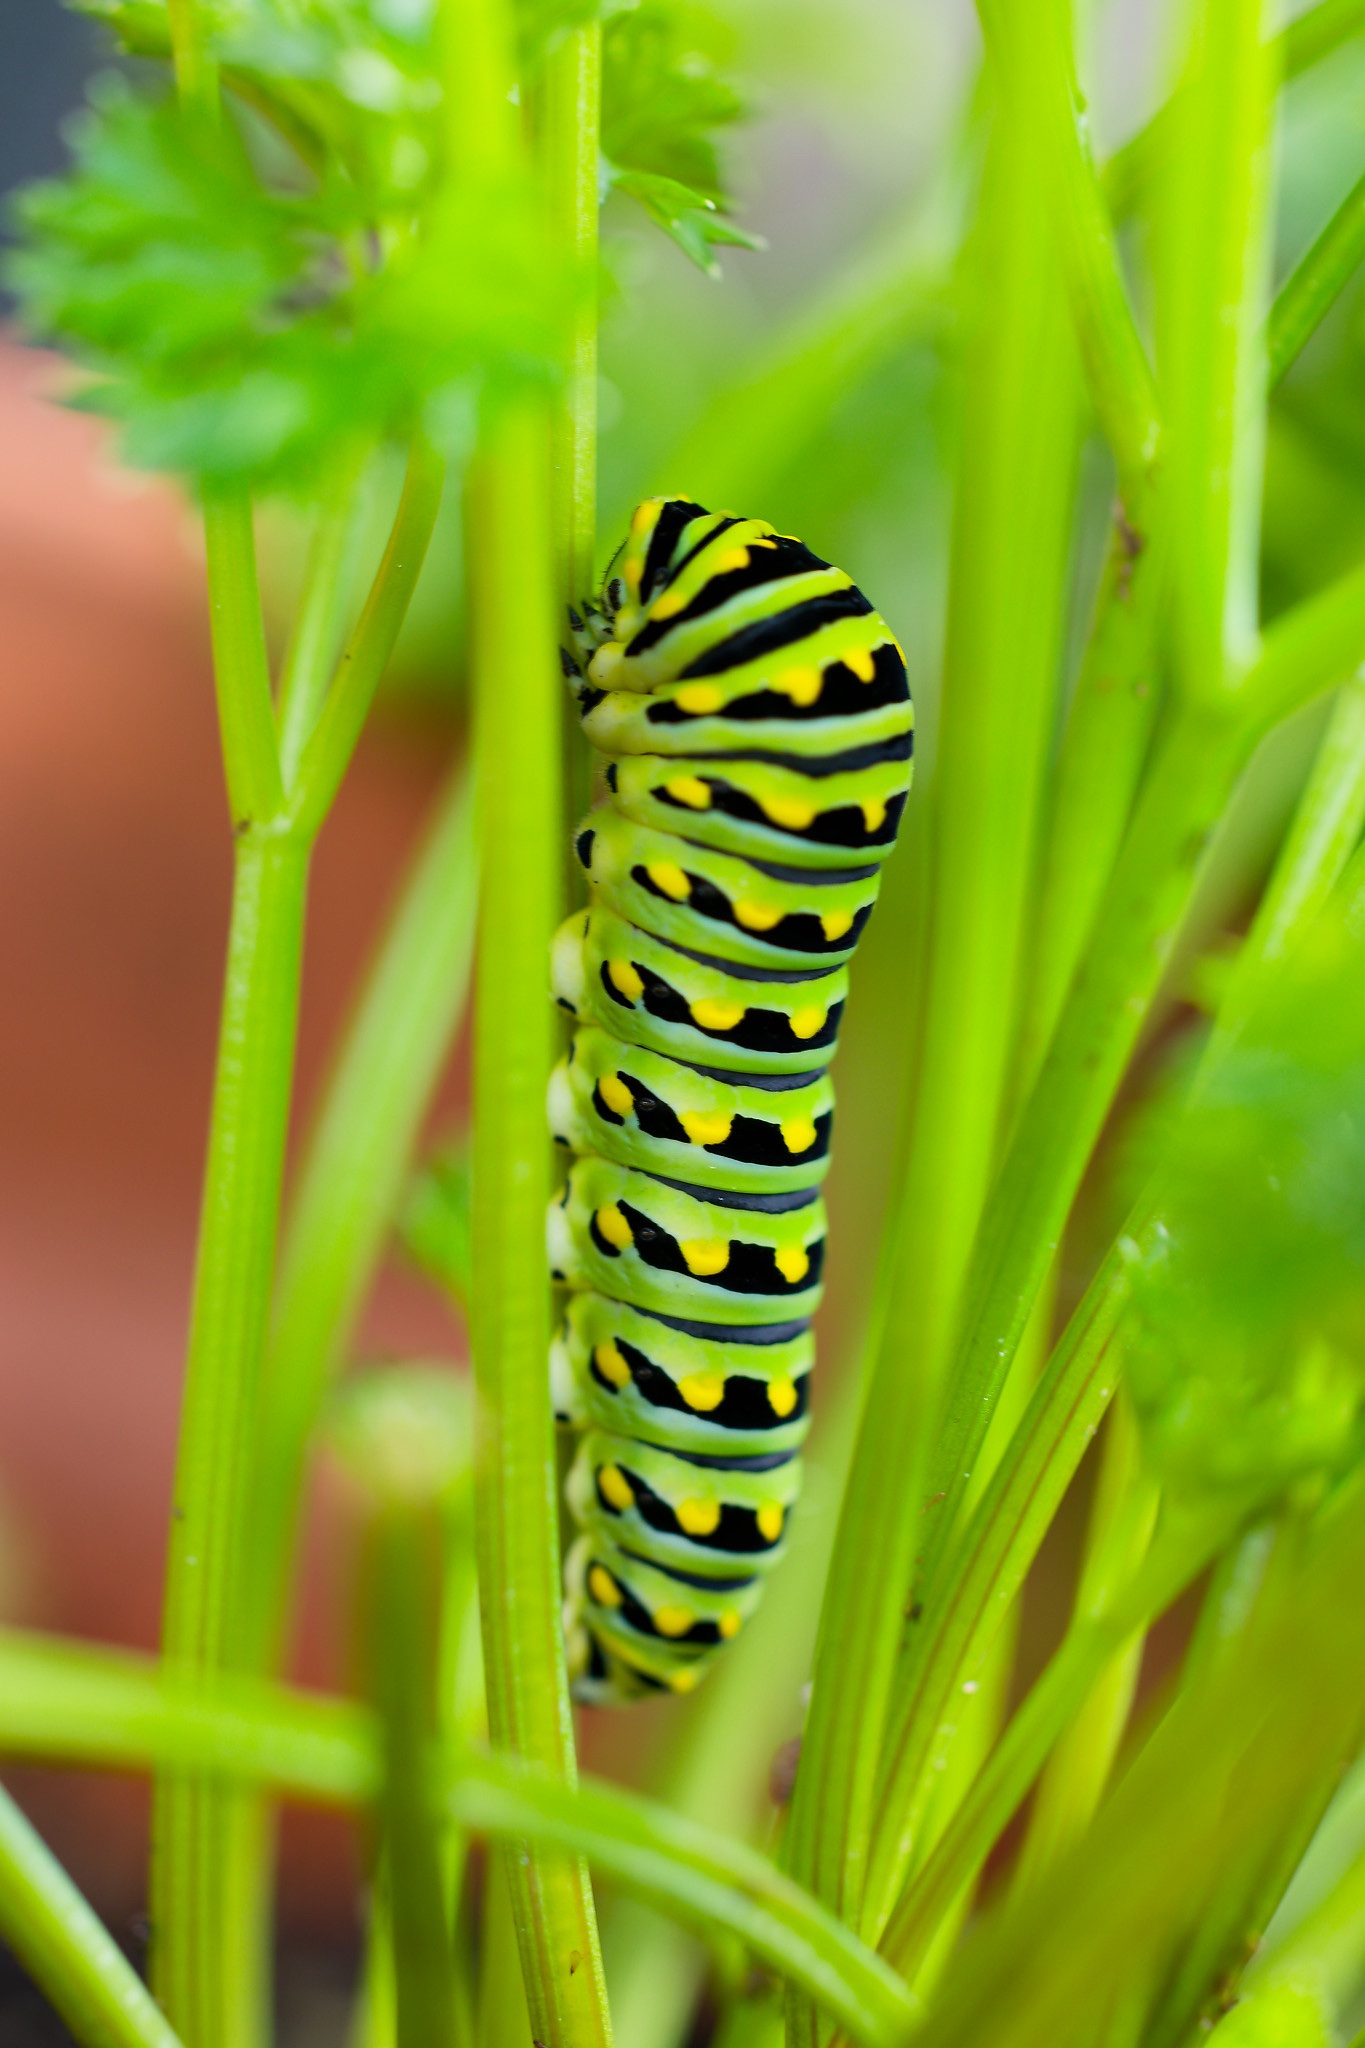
(1020, 421)
(66, 1949)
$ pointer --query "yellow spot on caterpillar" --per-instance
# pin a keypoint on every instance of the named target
(729, 1624)
(798, 1133)
(699, 698)
(782, 1396)
(611, 1364)
(802, 685)
(699, 1517)
(835, 924)
(673, 1621)
(874, 812)
(703, 1390)
(614, 1484)
(789, 811)
(668, 603)
(706, 1127)
(713, 1015)
(603, 1587)
(705, 1255)
(615, 1094)
(612, 1225)
(792, 1262)
(668, 876)
(635, 569)
(605, 662)
(683, 1679)
(860, 660)
(756, 917)
(806, 1022)
(769, 1519)
(733, 558)
(625, 979)
(689, 790)
(644, 515)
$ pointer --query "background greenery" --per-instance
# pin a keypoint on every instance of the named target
(1091, 439)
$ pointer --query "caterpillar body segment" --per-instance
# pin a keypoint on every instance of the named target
(755, 717)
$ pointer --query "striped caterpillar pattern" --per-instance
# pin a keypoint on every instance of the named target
(756, 724)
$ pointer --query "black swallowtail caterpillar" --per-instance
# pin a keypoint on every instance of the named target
(757, 724)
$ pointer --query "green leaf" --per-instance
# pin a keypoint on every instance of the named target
(692, 220)
(241, 315)
(661, 99)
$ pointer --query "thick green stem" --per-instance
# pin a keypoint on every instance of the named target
(1001, 675)
(245, 712)
(517, 697)
(194, 1963)
(67, 1950)
(1031, 42)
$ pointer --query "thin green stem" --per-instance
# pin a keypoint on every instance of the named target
(569, 97)
(1030, 1737)
(314, 643)
(1315, 284)
(1121, 1524)
(984, 1573)
(1001, 676)
(113, 1710)
(192, 1946)
(403, 1577)
(1326, 828)
(1108, 737)
(245, 710)
(66, 1949)
(1311, 649)
(1031, 42)
(1213, 270)
(517, 697)
(351, 1177)
(333, 738)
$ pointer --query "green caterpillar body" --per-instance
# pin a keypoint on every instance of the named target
(757, 724)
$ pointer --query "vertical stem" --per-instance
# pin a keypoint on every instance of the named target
(569, 150)
(307, 667)
(1001, 672)
(517, 695)
(194, 1958)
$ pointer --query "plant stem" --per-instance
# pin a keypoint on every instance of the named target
(1121, 1524)
(1001, 673)
(192, 1947)
(570, 124)
(985, 1571)
(1030, 1737)
(63, 1945)
(517, 709)
(1213, 270)
(1031, 43)
(1108, 736)
(351, 1177)
(311, 655)
(241, 670)
(332, 740)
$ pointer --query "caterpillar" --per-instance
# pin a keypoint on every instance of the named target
(755, 718)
